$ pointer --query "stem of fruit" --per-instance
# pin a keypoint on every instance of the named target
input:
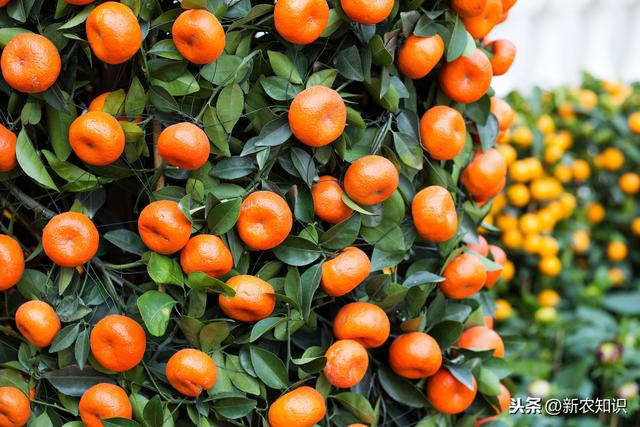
(123, 266)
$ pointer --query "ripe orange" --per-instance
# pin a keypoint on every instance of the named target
(464, 276)
(327, 200)
(468, 8)
(104, 401)
(118, 342)
(14, 407)
(12, 261)
(504, 398)
(419, 55)
(480, 26)
(548, 298)
(30, 63)
(488, 321)
(467, 79)
(448, 395)
(442, 132)
(617, 251)
(198, 36)
(367, 12)
(265, 220)
(482, 338)
(630, 183)
(113, 32)
(595, 213)
(499, 257)
(363, 322)
(254, 299)
(97, 138)
(635, 226)
(370, 180)
(163, 227)
(434, 214)
(184, 145)
(206, 253)
(581, 170)
(347, 363)
(486, 175)
(289, 14)
(38, 322)
(302, 407)
(550, 266)
(70, 239)
(97, 103)
(317, 116)
(481, 248)
(504, 53)
(504, 310)
(345, 272)
(8, 140)
(415, 355)
(634, 122)
(503, 112)
(191, 371)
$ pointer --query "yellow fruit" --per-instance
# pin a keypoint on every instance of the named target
(546, 315)
(617, 276)
(552, 154)
(503, 310)
(634, 122)
(566, 111)
(611, 159)
(595, 213)
(532, 243)
(547, 219)
(568, 203)
(499, 203)
(508, 152)
(564, 139)
(504, 137)
(519, 171)
(507, 222)
(535, 167)
(548, 298)
(522, 136)
(617, 251)
(635, 226)
(546, 188)
(546, 124)
(518, 195)
(580, 241)
(581, 170)
(630, 183)
(508, 271)
(512, 239)
(549, 247)
(563, 173)
(529, 223)
(588, 99)
(550, 266)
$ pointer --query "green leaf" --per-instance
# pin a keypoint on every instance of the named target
(6, 34)
(488, 132)
(184, 84)
(82, 348)
(310, 281)
(283, 67)
(229, 106)
(263, 326)
(322, 78)
(126, 240)
(78, 19)
(409, 150)
(342, 234)
(381, 55)
(232, 168)
(297, 251)
(458, 41)
(224, 216)
(625, 303)
(200, 280)
(400, 389)
(462, 374)
(279, 89)
(165, 49)
(155, 308)
(234, 407)
(349, 64)
(30, 162)
(65, 338)
(353, 205)
(164, 270)
(269, 368)
(447, 332)
(74, 381)
(421, 278)
(488, 382)
(358, 405)
(135, 100)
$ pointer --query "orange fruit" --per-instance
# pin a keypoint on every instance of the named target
(163, 227)
(504, 310)
(317, 116)
(488, 321)
(616, 276)
(30, 63)
(448, 395)
(70, 239)
(481, 248)
(617, 251)
(486, 175)
(265, 220)
(503, 112)
(630, 183)
(504, 53)
(79, 2)
(548, 298)
(363, 322)
(370, 180)
(118, 342)
(581, 170)
(499, 257)
(367, 12)
(198, 36)
(434, 214)
(504, 399)
(595, 213)
(442, 132)
(38, 322)
(468, 8)
(518, 195)
(184, 145)
(612, 159)
(288, 14)
(480, 26)
(15, 407)
(508, 271)
(345, 272)
(467, 79)
(419, 55)
(113, 32)
(327, 200)
(482, 338)
(191, 371)
(415, 355)
(254, 299)
(347, 363)
(302, 407)
(97, 138)
(104, 401)
(580, 241)
(97, 103)
(464, 276)
(206, 253)
(8, 140)
(550, 266)
(634, 122)
(635, 226)
(12, 261)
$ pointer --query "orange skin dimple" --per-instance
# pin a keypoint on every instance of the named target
(367, 12)
(206, 253)
(254, 299)
(302, 407)
(434, 214)
(448, 395)
(468, 8)
(362, 322)
(301, 21)
(104, 401)
(499, 257)
(38, 322)
(118, 343)
(443, 132)
(14, 407)
(97, 138)
(347, 363)
(504, 53)
(465, 79)
(327, 200)
(184, 145)
(464, 276)
(30, 63)
(345, 272)
(485, 176)
(370, 180)
(198, 36)
(482, 338)
(8, 140)
(480, 26)
(265, 220)
(419, 55)
(12, 262)
(191, 371)
(317, 116)
(163, 227)
(70, 239)
(113, 32)
(415, 355)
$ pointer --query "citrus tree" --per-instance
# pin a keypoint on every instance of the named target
(233, 213)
